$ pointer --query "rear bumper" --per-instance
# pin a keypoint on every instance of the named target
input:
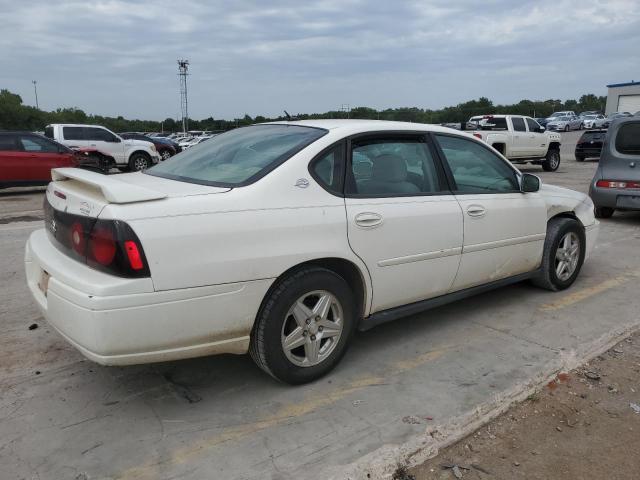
(125, 325)
(615, 198)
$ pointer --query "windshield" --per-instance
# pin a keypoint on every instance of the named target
(589, 117)
(563, 119)
(238, 157)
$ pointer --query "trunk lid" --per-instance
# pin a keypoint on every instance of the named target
(83, 192)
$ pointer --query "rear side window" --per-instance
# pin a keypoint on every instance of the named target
(392, 167)
(238, 157)
(73, 133)
(518, 124)
(628, 139)
(475, 168)
(492, 123)
(8, 143)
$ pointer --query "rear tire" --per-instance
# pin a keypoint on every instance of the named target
(604, 212)
(552, 160)
(563, 255)
(580, 158)
(139, 162)
(293, 313)
(566, 128)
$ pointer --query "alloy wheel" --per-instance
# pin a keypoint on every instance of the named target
(140, 163)
(312, 328)
(567, 256)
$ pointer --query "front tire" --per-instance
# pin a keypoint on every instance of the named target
(566, 128)
(139, 162)
(580, 158)
(552, 160)
(563, 255)
(166, 154)
(304, 326)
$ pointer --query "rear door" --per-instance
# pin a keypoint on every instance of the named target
(520, 145)
(403, 222)
(73, 137)
(504, 229)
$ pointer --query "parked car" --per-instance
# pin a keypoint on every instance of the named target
(521, 140)
(165, 149)
(613, 116)
(565, 123)
(589, 112)
(133, 155)
(590, 144)
(593, 121)
(616, 183)
(163, 265)
(565, 113)
(542, 122)
(26, 159)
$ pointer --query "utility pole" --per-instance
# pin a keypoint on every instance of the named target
(345, 107)
(35, 89)
(183, 68)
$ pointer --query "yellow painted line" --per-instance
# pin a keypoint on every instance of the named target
(589, 292)
(153, 469)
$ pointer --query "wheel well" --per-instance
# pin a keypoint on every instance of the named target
(499, 147)
(554, 146)
(345, 268)
(571, 215)
(142, 152)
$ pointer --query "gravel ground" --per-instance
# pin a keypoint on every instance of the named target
(585, 424)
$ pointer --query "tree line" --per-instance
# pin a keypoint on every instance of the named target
(14, 115)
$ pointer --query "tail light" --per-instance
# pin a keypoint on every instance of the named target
(617, 184)
(477, 135)
(107, 245)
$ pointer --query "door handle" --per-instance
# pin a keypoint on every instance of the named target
(93, 144)
(368, 219)
(476, 211)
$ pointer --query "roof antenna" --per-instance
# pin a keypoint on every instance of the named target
(287, 115)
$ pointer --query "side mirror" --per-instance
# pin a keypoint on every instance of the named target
(530, 183)
(541, 129)
(116, 139)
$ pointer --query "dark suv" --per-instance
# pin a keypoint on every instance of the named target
(165, 147)
(616, 184)
(590, 144)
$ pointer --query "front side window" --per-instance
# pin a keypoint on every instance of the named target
(8, 143)
(533, 125)
(628, 139)
(475, 168)
(238, 157)
(99, 135)
(392, 167)
(35, 144)
(73, 133)
(518, 124)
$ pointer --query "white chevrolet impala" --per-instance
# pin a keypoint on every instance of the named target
(282, 239)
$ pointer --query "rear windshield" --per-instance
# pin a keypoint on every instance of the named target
(494, 123)
(238, 157)
(628, 139)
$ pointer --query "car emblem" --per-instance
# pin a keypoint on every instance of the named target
(302, 183)
(53, 225)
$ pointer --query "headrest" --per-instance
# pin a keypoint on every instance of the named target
(389, 168)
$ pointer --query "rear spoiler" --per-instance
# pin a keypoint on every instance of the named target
(113, 190)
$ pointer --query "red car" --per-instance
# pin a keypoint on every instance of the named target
(27, 158)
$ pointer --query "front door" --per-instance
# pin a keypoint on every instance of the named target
(106, 142)
(537, 141)
(504, 229)
(40, 156)
(403, 222)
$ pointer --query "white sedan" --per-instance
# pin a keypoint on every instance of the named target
(282, 239)
(593, 121)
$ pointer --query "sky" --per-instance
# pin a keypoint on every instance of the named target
(254, 57)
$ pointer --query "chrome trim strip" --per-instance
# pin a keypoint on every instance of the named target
(447, 252)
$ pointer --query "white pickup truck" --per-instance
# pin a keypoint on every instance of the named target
(133, 155)
(520, 139)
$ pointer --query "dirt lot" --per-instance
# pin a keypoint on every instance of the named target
(585, 424)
